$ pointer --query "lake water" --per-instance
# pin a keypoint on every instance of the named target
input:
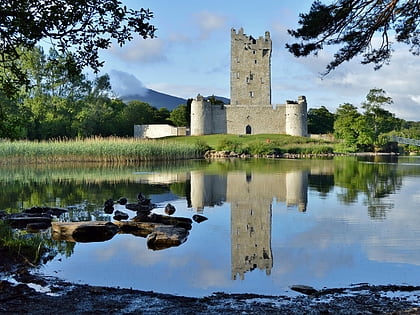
(271, 223)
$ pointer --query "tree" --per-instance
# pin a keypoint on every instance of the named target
(346, 126)
(179, 116)
(362, 132)
(320, 121)
(353, 25)
(379, 119)
(136, 113)
(79, 26)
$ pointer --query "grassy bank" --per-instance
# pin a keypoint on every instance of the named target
(169, 149)
(264, 144)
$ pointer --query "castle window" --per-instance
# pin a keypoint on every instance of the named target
(251, 76)
(237, 59)
(255, 61)
(254, 52)
(251, 94)
(237, 75)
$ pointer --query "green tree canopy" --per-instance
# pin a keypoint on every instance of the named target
(79, 26)
(320, 120)
(362, 132)
(180, 117)
(353, 24)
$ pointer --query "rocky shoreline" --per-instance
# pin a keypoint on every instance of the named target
(59, 297)
(22, 292)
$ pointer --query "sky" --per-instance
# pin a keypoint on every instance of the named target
(191, 55)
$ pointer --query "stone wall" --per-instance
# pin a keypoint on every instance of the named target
(158, 131)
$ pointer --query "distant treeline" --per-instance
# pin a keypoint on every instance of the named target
(61, 102)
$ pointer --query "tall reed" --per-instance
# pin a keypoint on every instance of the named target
(98, 149)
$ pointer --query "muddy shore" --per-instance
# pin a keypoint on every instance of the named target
(22, 292)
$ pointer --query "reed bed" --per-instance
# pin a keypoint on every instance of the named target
(97, 149)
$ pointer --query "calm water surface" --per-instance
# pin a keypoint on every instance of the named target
(271, 223)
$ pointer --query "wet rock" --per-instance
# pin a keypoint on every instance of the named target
(139, 207)
(141, 229)
(109, 206)
(199, 218)
(36, 227)
(21, 220)
(166, 236)
(84, 232)
(185, 223)
(46, 210)
(122, 201)
(119, 215)
(169, 209)
(142, 199)
(305, 289)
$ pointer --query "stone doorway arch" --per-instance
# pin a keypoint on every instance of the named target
(248, 129)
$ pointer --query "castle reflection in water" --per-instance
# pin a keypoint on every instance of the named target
(250, 196)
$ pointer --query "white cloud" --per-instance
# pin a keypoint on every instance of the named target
(209, 22)
(142, 50)
(124, 84)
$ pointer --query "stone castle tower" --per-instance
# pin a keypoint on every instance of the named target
(250, 110)
(250, 74)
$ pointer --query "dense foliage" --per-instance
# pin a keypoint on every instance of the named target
(320, 121)
(82, 27)
(363, 131)
(353, 25)
(67, 104)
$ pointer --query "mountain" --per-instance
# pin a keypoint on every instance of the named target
(156, 99)
(159, 100)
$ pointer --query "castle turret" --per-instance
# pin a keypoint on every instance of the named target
(200, 117)
(250, 75)
(296, 117)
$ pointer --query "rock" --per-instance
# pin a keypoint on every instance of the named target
(109, 206)
(185, 223)
(142, 199)
(139, 207)
(166, 236)
(122, 201)
(37, 226)
(45, 210)
(199, 218)
(21, 220)
(170, 209)
(119, 215)
(84, 232)
(141, 229)
(305, 289)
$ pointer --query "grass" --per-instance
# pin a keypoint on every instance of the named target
(118, 150)
(98, 150)
(29, 246)
(264, 144)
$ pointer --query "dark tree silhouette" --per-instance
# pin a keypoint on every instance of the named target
(352, 24)
(82, 27)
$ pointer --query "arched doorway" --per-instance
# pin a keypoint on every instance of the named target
(248, 129)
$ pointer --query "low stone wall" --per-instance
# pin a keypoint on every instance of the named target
(158, 131)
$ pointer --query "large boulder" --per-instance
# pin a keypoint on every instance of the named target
(84, 232)
(21, 220)
(185, 223)
(166, 236)
(46, 210)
